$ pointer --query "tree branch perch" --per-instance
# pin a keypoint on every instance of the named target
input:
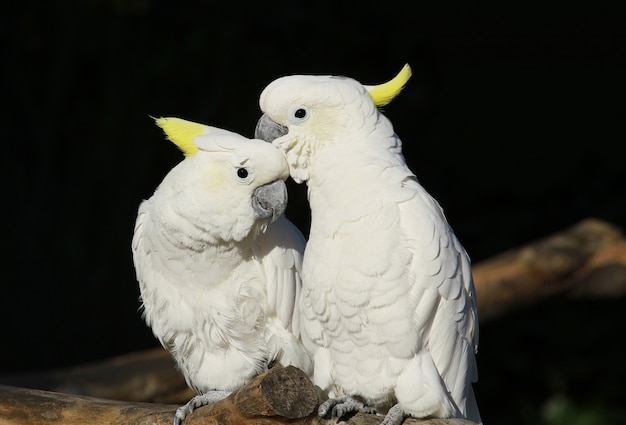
(279, 396)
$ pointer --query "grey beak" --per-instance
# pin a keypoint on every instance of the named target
(268, 130)
(270, 200)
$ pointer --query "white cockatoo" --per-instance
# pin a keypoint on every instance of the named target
(388, 302)
(218, 264)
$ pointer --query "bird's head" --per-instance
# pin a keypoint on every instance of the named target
(226, 183)
(304, 113)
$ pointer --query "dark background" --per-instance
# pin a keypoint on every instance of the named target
(514, 120)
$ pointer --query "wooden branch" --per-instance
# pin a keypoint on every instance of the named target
(281, 392)
(21, 406)
(281, 395)
(588, 259)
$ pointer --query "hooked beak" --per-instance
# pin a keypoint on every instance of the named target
(268, 129)
(270, 200)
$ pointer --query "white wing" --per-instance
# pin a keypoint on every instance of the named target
(153, 261)
(444, 297)
(280, 250)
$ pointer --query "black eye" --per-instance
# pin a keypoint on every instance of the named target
(298, 114)
(242, 173)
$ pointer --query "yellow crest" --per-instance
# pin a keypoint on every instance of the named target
(181, 133)
(384, 93)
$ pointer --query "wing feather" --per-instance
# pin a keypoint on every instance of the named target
(280, 250)
(442, 293)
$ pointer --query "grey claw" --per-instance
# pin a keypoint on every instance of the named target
(394, 416)
(198, 401)
(341, 406)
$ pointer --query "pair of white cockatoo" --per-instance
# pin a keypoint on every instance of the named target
(379, 308)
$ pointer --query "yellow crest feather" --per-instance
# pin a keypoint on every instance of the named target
(384, 93)
(181, 132)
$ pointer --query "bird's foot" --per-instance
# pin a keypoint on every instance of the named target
(198, 401)
(338, 407)
(394, 416)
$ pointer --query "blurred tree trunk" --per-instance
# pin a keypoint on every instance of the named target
(147, 376)
(587, 259)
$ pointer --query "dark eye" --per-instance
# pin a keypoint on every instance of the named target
(242, 173)
(299, 114)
